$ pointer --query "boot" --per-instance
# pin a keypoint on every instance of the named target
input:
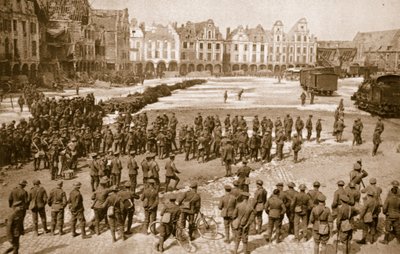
(52, 228)
(114, 239)
(46, 230)
(83, 231)
(36, 230)
(227, 232)
(385, 240)
(61, 229)
(74, 234)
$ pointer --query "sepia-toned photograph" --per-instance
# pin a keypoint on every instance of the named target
(199, 126)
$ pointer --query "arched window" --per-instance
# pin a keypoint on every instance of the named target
(7, 46)
(209, 34)
(277, 38)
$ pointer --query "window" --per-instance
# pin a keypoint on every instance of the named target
(172, 44)
(245, 47)
(262, 47)
(201, 45)
(24, 27)
(217, 46)
(172, 54)
(290, 59)
(254, 58)
(298, 50)
(148, 53)
(237, 58)
(254, 47)
(16, 48)
(183, 55)
(15, 26)
(311, 50)
(283, 58)
(304, 59)
(298, 37)
(262, 58)
(209, 46)
(191, 45)
(7, 46)
(209, 57)
(201, 56)
(271, 49)
(311, 59)
(157, 54)
(304, 50)
(165, 45)
(217, 56)
(305, 38)
(209, 34)
(185, 45)
(298, 59)
(236, 47)
(284, 50)
(277, 50)
(277, 38)
(165, 53)
(244, 58)
(291, 50)
(138, 44)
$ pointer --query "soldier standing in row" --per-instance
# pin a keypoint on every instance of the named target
(38, 201)
(260, 198)
(243, 218)
(280, 141)
(309, 127)
(303, 98)
(290, 194)
(322, 224)
(190, 204)
(57, 201)
(94, 172)
(225, 96)
(369, 210)
(300, 206)
(228, 157)
(318, 129)
(19, 194)
(339, 128)
(266, 144)
(227, 206)
(345, 214)
(170, 215)
(99, 198)
(15, 227)
(114, 213)
(243, 174)
(171, 172)
(116, 167)
(296, 146)
(132, 170)
(288, 124)
(391, 209)
(150, 201)
(275, 208)
(77, 210)
(299, 127)
(376, 140)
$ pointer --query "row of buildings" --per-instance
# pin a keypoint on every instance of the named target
(202, 47)
(62, 37)
(66, 37)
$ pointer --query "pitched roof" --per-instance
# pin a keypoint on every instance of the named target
(379, 40)
(159, 32)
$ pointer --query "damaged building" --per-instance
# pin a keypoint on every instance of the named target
(19, 38)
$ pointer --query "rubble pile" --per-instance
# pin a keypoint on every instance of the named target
(135, 102)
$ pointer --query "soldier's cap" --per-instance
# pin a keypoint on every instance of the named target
(23, 182)
(259, 182)
(357, 166)
(340, 183)
(291, 184)
(352, 185)
(316, 184)
(148, 155)
(116, 152)
(36, 182)
(344, 198)
(244, 161)
(245, 194)
(276, 192)
(60, 183)
(279, 184)
(321, 198)
(193, 185)
(372, 180)
(172, 198)
(172, 155)
(370, 193)
(395, 183)
(151, 181)
(228, 141)
(77, 184)
(17, 203)
(94, 155)
(228, 187)
(236, 183)
(132, 152)
(127, 184)
(302, 187)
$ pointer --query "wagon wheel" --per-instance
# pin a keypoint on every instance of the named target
(207, 227)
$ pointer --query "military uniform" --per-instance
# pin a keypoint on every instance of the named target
(288, 124)
(132, 171)
(57, 201)
(260, 198)
(190, 203)
(309, 127)
(266, 144)
(376, 140)
(391, 209)
(300, 205)
(243, 174)
(168, 227)
(127, 205)
(345, 214)
(369, 215)
(228, 158)
(116, 167)
(100, 212)
(77, 210)
(242, 219)
(170, 173)
(94, 172)
(322, 220)
(296, 147)
(318, 129)
(275, 208)
(290, 194)
(14, 227)
(150, 203)
(38, 201)
(114, 213)
(299, 125)
(227, 205)
(18, 194)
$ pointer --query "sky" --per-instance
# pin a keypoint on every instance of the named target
(327, 19)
